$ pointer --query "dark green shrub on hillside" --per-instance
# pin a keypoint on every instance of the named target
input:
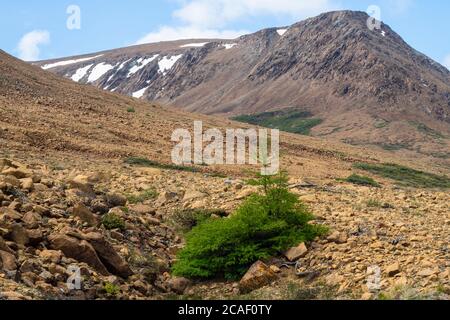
(406, 176)
(289, 120)
(262, 227)
(143, 196)
(144, 162)
(362, 181)
(112, 221)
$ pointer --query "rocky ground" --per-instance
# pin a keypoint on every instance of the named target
(115, 225)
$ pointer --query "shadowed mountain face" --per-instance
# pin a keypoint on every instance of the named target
(366, 87)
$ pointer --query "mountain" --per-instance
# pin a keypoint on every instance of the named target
(46, 116)
(366, 87)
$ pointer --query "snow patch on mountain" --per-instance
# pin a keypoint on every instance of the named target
(281, 32)
(167, 63)
(67, 62)
(98, 71)
(229, 46)
(200, 44)
(138, 94)
(123, 64)
(141, 63)
(80, 73)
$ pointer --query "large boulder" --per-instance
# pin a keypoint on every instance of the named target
(116, 200)
(77, 249)
(82, 212)
(19, 173)
(7, 214)
(35, 236)
(193, 195)
(32, 220)
(51, 256)
(82, 183)
(27, 184)
(18, 234)
(10, 180)
(338, 237)
(258, 276)
(179, 284)
(108, 255)
(7, 261)
(295, 253)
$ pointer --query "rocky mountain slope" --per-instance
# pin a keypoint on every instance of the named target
(69, 200)
(366, 87)
(54, 220)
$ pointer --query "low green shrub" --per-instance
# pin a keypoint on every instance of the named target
(362, 181)
(112, 221)
(263, 226)
(143, 196)
(373, 203)
(111, 289)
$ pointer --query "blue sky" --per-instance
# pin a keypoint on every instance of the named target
(38, 29)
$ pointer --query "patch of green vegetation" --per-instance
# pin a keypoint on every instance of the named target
(143, 196)
(384, 296)
(131, 110)
(406, 176)
(320, 291)
(112, 221)
(381, 123)
(362, 181)
(373, 203)
(143, 162)
(427, 130)
(264, 225)
(187, 219)
(394, 146)
(111, 289)
(442, 289)
(405, 292)
(289, 120)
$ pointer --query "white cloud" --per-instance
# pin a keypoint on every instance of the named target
(220, 12)
(29, 44)
(211, 19)
(447, 62)
(167, 33)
